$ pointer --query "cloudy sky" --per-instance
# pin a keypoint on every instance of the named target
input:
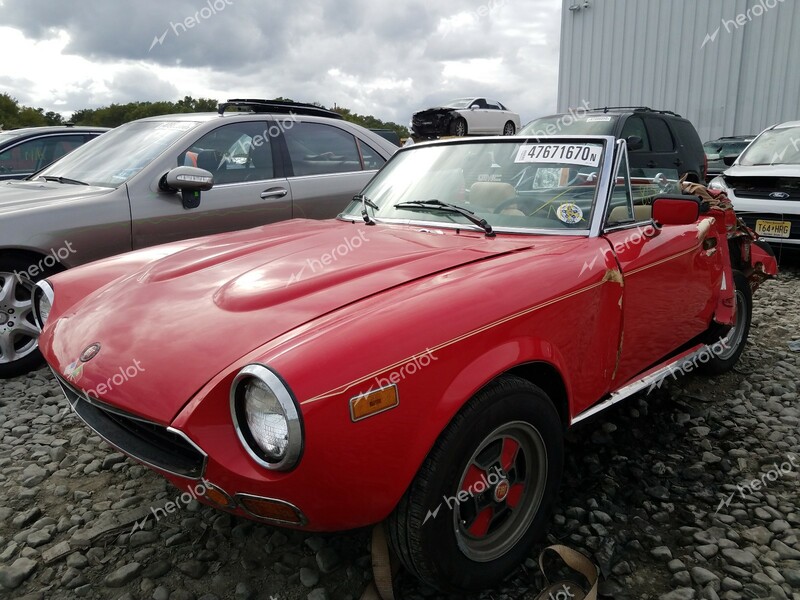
(382, 57)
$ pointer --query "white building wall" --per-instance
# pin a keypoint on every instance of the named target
(730, 66)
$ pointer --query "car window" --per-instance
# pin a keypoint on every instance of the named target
(32, 155)
(319, 149)
(566, 125)
(492, 105)
(370, 158)
(660, 135)
(620, 209)
(635, 126)
(234, 153)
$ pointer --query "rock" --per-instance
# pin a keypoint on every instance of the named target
(12, 576)
(679, 594)
(740, 558)
(327, 560)
(193, 568)
(123, 575)
(309, 577)
(703, 576)
(318, 594)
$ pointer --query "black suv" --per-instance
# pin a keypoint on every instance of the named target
(657, 139)
(27, 150)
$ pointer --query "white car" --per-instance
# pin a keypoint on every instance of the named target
(465, 116)
(764, 184)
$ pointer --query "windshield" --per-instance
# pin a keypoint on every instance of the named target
(515, 185)
(569, 125)
(716, 150)
(459, 103)
(113, 158)
(774, 147)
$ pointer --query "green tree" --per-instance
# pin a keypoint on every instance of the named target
(9, 109)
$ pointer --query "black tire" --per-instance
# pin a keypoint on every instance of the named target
(19, 353)
(509, 128)
(515, 426)
(722, 359)
(459, 127)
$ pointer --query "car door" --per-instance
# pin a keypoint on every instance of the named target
(327, 166)
(495, 117)
(670, 279)
(250, 188)
(479, 120)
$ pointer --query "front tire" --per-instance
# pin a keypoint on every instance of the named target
(460, 128)
(19, 352)
(485, 493)
(727, 343)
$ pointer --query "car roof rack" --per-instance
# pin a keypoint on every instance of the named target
(635, 109)
(277, 106)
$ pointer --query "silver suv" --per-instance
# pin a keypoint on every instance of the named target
(168, 178)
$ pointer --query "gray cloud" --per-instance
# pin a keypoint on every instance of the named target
(383, 58)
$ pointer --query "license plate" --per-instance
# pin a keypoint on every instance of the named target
(779, 229)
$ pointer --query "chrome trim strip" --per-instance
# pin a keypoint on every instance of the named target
(772, 240)
(303, 520)
(636, 386)
(290, 408)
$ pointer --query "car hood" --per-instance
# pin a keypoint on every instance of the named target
(184, 318)
(763, 171)
(434, 110)
(18, 194)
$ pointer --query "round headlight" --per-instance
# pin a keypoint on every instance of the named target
(42, 303)
(266, 418)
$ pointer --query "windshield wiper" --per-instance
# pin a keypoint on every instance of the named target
(365, 202)
(63, 180)
(435, 204)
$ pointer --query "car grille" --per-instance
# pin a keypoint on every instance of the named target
(761, 187)
(153, 444)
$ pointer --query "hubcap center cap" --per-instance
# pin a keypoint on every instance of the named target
(501, 490)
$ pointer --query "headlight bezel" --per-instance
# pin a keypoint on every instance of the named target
(291, 413)
(42, 291)
(718, 183)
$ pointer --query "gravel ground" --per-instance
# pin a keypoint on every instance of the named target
(655, 492)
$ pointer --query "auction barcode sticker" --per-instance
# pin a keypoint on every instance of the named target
(572, 154)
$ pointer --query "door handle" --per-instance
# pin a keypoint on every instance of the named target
(276, 192)
(678, 162)
(651, 164)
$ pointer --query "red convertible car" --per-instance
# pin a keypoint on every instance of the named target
(418, 359)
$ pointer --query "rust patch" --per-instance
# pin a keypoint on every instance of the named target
(613, 275)
(619, 356)
(704, 226)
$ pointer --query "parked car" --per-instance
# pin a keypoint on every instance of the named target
(419, 358)
(764, 184)
(27, 150)
(141, 184)
(657, 139)
(465, 116)
(725, 147)
(390, 135)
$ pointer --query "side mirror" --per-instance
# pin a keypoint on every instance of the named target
(729, 159)
(190, 181)
(634, 142)
(676, 210)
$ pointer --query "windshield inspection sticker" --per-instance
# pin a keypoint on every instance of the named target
(569, 213)
(587, 155)
(598, 119)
